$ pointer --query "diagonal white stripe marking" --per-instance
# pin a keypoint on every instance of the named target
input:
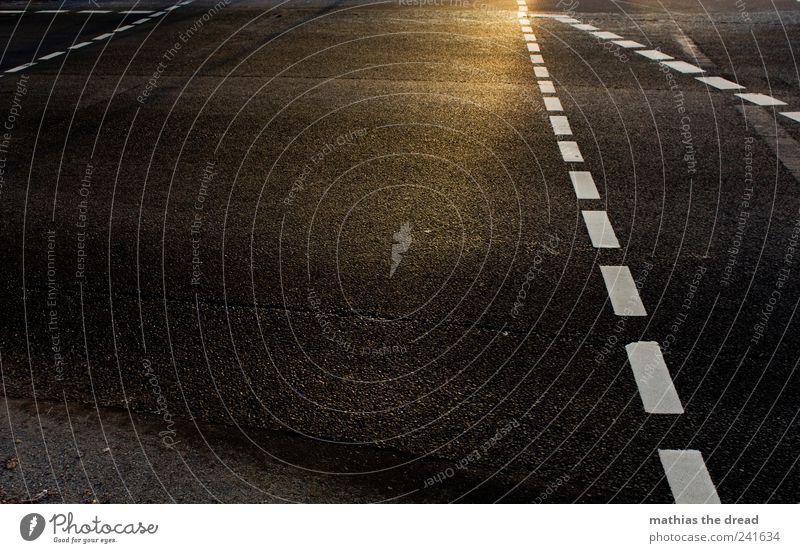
(793, 115)
(552, 104)
(654, 55)
(546, 87)
(628, 43)
(570, 151)
(761, 99)
(600, 230)
(653, 380)
(605, 35)
(560, 125)
(533, 47)
(79, 45)
(583, 184)
(20, 67)
(720, 83)
(51, 56)
(103, 36)
(585, 27)
(622, 291)
(688, 476)
(541, 72)
(683, 67)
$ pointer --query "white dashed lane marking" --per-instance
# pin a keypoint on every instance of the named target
(760, 99)
(551, 103)
(793, 115)
(51, 56)
(560, 125)
(622, 291)
(533, 47)
(537, 58)
(628, 43)
(688, 476)
(103, 36)
(570, 151)
(541, 72)
(584, 186)
(585, 27)
(720, 83)
(530, 37)
(600, 230)
(20, 67)
(125, 28)
(546, 87)
(683, 67)
(605, 35)
(655, 55)
(79, 45)
(653, 379)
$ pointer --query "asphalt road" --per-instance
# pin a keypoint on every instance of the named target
(341, 239)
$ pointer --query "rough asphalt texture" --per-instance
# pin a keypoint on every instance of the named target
(205, 234)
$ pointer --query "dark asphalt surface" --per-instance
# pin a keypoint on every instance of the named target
(205, 235)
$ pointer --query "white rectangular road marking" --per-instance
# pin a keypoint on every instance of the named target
(720, 83)
(145, 12)
(530, 37)
(20, 67)
(546, 87)
(683, 67)
(541, 72)
(533, 47)
(560, 125)
(584, 186)
(552, 103)
(157, 14)
(585, 27)
(103, 36)
(605, 35)
(622, 291)
(628, 43)
(688, 476)
(793, 115)
(522, 14)
(526, 29)
(761, 99)
(522, 8)
(94, 11)
(79, 45)
(138, 21)
(524, 21)
(125, 28)
(654, 55)
(11, 12)
(653, 379)
(51, 56)
(570, 151)
(52, 11)
(565, 19)
(537, 58)
(600, 230)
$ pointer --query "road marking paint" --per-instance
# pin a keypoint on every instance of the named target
(11, 12)
(628, 43)
(527, 29)
(583, 184)
(522, 8)
(94, 11)
(186, 2)
(553, 104)
(524, 21)
(541, 72)
(600, 230)
(137, 11)
(785, 148)
(682, 66)
(565, 19)
(537, 58)
(139, 21)
(560, 125)
(103, 36)
(605, 35)
(793, 115)
(51, 56)
(170, 8)
(521, 3)
(522, 14)
(157, 14)
(530, 37)
(653, 379)
(656, 55)
(20, 67)
(761, 99)
(622, 291)
(570, 151)
(720, 83)
(79, 45)
(533, 47)
(120, 29)
(52, 11)
(585, 27)
(546, 87)
(688, 476)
